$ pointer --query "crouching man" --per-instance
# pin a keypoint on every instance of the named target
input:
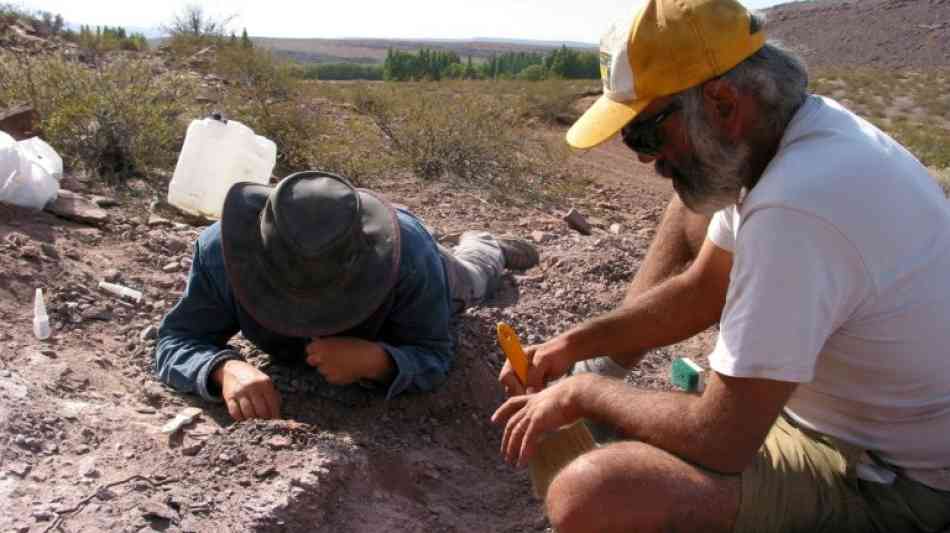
(825, 263)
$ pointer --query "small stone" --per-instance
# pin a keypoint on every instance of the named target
(19, 469)
(265, 472)
(192, 448)
(97, 313)
(174, 266)
(149, 333)
(43, 515)
(157, 511)
(49, 250)
(540, 236)
(112, 275)
(576, 221)
(49, 353)
(279, 442)
(615, 229)
(155, 221)
(87, 469)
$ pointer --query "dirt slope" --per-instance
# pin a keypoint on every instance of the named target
(881, 33)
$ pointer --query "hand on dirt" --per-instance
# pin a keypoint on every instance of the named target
(344, 360)
(248, 392)
(529, 417)
(546, 362)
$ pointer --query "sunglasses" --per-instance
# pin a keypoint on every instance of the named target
(643, 137)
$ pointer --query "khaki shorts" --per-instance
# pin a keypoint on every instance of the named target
(805, 481)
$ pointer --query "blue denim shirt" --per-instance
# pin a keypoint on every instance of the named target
(412, 325)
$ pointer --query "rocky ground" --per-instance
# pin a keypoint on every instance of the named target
(80, 413)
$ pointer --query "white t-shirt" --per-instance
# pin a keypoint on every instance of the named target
(841, 283)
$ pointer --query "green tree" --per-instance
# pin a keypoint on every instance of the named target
(245, 40)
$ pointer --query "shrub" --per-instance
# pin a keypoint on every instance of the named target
(532, 73)
(438, 132)
(265, 96)
(117, 120)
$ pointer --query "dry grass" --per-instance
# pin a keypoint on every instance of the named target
(911, 106)
(943, 178)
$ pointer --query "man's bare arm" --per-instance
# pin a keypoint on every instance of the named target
(720, 430)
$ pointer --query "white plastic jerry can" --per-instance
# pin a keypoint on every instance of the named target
(217, 154)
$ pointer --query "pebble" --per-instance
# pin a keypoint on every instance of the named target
(87, 469)
(149, 333)
(174, 266)
(265, 472)
(279, 442)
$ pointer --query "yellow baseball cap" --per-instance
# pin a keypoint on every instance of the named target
(670, 46)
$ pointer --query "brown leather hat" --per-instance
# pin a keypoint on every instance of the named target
(311, 257)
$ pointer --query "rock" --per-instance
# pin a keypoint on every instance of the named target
(540, 236)
(265, 472)
(49, 353)
(112, 275)
(615, 229)
(21, 122)
(157, 511)
(76, 207)
(49, 250)
(87, 469)
(19, 469)
(174, 266)
(576, 221)
(149, 333)
(104, 201)
(155, 221)
(96, 313)
(279, 442)
(192, 448)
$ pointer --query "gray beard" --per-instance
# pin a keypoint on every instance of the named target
(713, 177)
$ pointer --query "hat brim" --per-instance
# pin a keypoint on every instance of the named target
(338, 307)
(602, 121)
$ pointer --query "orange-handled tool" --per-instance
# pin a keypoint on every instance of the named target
(508, 340)
(558, 448)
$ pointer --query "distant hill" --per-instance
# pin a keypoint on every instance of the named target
(883, 33)
(355, 50)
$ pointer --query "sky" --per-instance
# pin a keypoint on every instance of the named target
(548, 20)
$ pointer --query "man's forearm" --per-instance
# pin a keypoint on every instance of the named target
(666, 420)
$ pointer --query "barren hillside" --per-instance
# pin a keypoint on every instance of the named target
(881, 33)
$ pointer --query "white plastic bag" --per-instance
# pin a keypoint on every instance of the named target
(30, 171)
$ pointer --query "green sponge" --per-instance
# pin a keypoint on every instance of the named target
(685, 374)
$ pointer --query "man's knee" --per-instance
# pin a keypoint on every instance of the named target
(572, 496)
(593, 493)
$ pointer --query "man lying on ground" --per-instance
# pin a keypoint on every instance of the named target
(826, 266)
(314, 269)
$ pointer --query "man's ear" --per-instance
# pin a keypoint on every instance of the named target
(722, 104)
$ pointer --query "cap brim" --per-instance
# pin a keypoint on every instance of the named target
(602, 121)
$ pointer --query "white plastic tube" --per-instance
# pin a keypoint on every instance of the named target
(121, 291)
(40, 318)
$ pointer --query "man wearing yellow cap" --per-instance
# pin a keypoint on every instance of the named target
(825, 263)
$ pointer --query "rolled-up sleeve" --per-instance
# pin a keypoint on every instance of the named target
(192, 338)
(417, 335)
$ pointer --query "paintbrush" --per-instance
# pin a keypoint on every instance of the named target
(555, 449)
